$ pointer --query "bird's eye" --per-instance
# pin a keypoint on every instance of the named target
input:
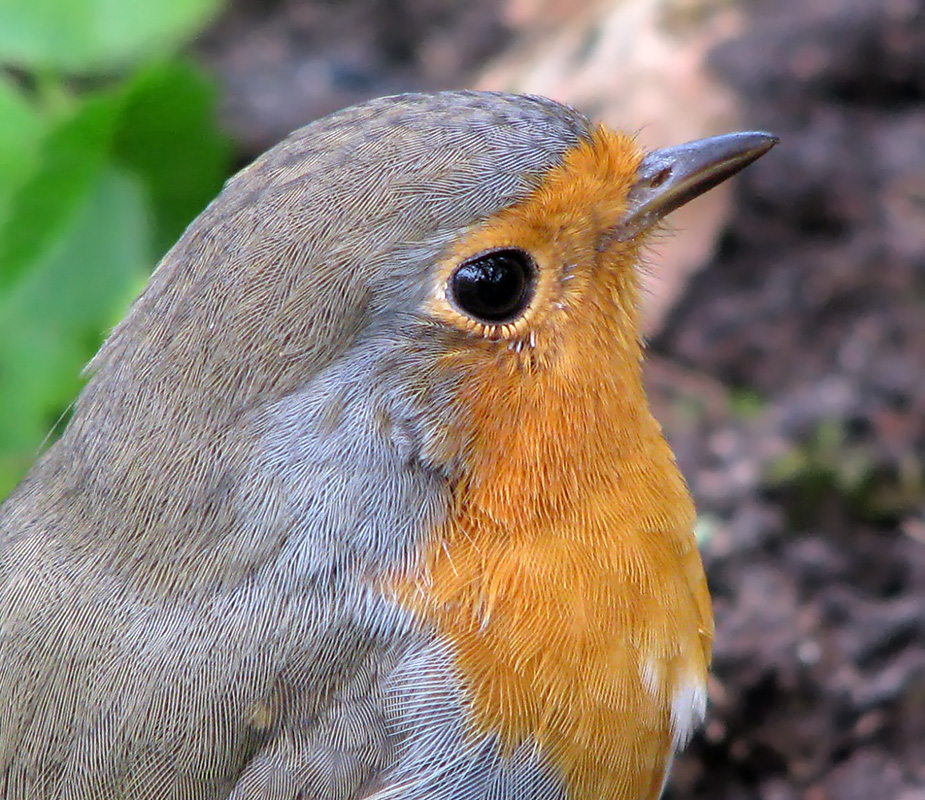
(493, 287)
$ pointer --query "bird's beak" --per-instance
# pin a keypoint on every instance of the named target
(667, 179)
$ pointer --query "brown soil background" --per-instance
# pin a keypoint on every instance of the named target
(790, 377)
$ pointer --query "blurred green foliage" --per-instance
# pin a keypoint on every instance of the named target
(829, 466)
(108, 148)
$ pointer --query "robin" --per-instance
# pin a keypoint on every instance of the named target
(363, 498)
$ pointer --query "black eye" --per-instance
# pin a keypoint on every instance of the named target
(493, 287)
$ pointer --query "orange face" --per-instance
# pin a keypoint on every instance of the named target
(566, 577)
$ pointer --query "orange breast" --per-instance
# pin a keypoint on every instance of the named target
(567, 578)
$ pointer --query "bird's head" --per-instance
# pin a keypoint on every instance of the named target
(404, 296)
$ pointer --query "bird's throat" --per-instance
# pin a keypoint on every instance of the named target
(566, 577)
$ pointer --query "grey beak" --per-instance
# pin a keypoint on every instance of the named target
(669, 178)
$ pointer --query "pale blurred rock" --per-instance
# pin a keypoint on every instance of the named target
(639, 65)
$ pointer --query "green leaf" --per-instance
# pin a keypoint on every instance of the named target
(51, 323)
(21, 133)
(69, 159)
(167, 135)
(92, 36)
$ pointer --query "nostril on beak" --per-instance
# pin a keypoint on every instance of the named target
(660, 177)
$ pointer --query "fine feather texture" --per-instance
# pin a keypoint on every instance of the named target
(312, 533)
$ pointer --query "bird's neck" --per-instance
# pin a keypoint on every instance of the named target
(564, 578)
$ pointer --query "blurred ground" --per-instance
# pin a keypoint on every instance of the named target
(790, 375)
